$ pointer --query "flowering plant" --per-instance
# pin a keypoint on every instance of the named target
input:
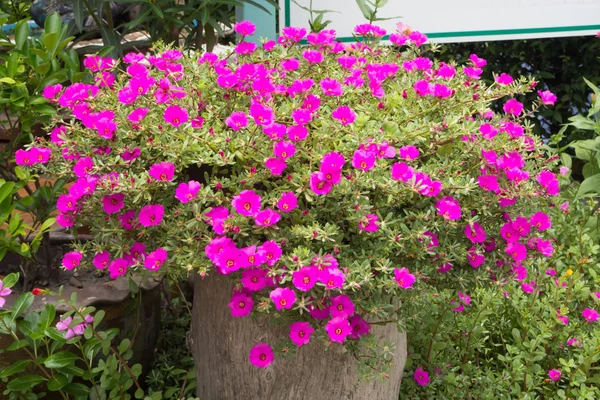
(328, 182)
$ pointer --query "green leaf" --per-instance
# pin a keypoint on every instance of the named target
(78, 13)
(14, 368)
(76, 389)
(21, 33)
(47, 224)
(139, 393)
(58, 382)
(25, 382)
(98, 318)
(516, 336)
(44, 109)
(22, 304)
(52, 24)
(47, 317)
(60, 359)
(8, 80)
(124, 345)
(364, 9)
(5, 190)
(591, 184)
(22, 174)
(17, 344)
(9, 280)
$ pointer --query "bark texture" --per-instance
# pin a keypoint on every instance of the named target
(221, 343)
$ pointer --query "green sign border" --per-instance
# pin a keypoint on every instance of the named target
(499, 32)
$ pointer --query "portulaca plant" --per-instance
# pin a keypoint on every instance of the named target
(327, 181)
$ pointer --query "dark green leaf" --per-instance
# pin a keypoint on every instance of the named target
(591, 184)
(22, 304)
(52, 24)
(60, 359)
(14, 368)
(21, 33)
(58, 382)
(76, 389)
(25, 382)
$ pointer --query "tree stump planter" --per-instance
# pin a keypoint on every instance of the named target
(220, 346)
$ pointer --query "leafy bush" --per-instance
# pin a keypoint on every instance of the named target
(328, 182)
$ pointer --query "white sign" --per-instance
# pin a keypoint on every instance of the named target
(460, 20)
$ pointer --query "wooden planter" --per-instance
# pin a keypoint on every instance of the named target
(220, 346)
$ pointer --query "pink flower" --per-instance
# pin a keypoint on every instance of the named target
(216, 246)
(230, 259)
(284, 298)
(237, 120)
(101, 260)
(369, 223)
(574, 342)
(590, 315)
(261, 355)
(402, 172)
(271, 252)
(517, 251)
(244, 28)
(475, 233)
(363, 160)
(338, 329)
(288, 202)
(564, 170)
(284, 150)
(404, 278)
(247, 203)
(547, 97)
(186, 192)
(409, 152)
(341, 306)
(344, 115)
(127, 219)
(131, 155)
(359, 326)
(473, 73)
(554, 374)
(544, 247)
(302, 116)
(421, 377)
(245, 48)
(521, 226)
(305, 278)
(262, 115)
(162, 171)
(297, 133)
(312, 56)
(477, 61)
(513, 107)
(504, 79)
(331, 87)
(290, 64)
(254, 279)
(113, 203)
(417, 38)
(540, 220)
(151, 215)
(489, 183)
(300, 333)
(448, 208)
(562, 318)
(118, 268)
(155, 259)
(50, 92)
(488, 131)
(175, 115)
(241, 304)
(332, 278)
(423, 88)
(72, 260)
(528, 287)
(267, 217)
(565, 207)
(319, 184)
(275, 165)
(475, 258)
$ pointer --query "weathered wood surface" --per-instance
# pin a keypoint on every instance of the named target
(221, 343)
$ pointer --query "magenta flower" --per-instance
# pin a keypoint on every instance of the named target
(155, 259)
(186, 192)
(448, 208)
(252, 257)
(216, 246)
(423, 88)
(271, 252)
(302, 116)
(284, 150)
(312, 56)
(162, 171)
(127, 219)
(319, 184)
(300, 333)
(344, 115)
(574, 342)
(409, 152)
(261, 355)
(276, 165)
(488, 131)
(338, 329)
(247, 203)
(101, 260)
(284, 298)
(118, 268)
(244, 28)
(254, 279)
(369, 223)
(517, 251)
(52, 91)
(544, 247)
(363, 160)
(241, 304)
(475, 233)
(332, 162)
(521, 226)
(421, 377)
(83, 167)
(341, 306)
(243, 48)
(590, 315)
(332, 278)
(288, 202)
(489, 183)
(547, 97)
(230, 259)
(513, 107)
(297, 133)
(475, 258)
(113, 203)
(404, 278)
(267, 217)
(290, 64)
(554, 374)
(331, 87)
(359, 326)
(237, 120)
(175, 115)
(401, 171)
(262, 115)
(151, 215)
(504, 79)
(137, 115)
(305, 278)
(275, 130)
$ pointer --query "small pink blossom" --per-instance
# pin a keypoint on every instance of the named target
(547, 97)
(338, 329)
(247, 203)
(283, 298)
(237, 120)
(186, 192)
(554, 374)
(175, 115)
(344, 115)
(241, 304)
(163, 171)
(288, 202)
(404, 278)
(300, 333)
(261, 355)
(590, 315)
(151, 215)
(267, 217)
(155, 259)
(421, 377)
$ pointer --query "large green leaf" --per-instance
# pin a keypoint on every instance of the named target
(23, 302)
(14, 368)
(21, 33)
(60, 359)
(589, 185)
(58, 382)
(5, 190)
(24, 383)
(52, 24)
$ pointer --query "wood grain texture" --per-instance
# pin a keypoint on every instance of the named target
(221, 343)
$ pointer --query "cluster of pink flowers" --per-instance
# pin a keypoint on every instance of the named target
(4, 291)
(71, 330)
